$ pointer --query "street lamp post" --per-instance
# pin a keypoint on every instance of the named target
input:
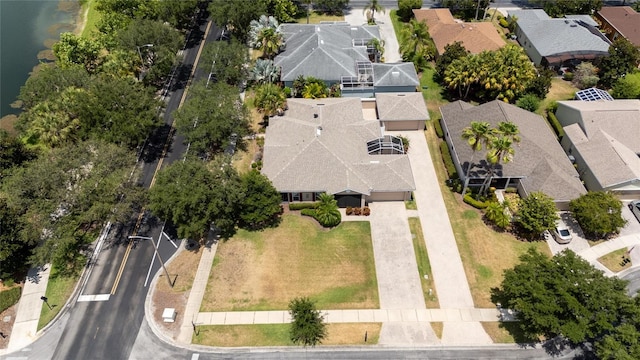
(155, 251)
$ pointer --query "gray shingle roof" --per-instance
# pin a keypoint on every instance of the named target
(303, 152)
(559, 36)
(539, 158)
(401, 106)
(606, 135)
(324, 51)
(395, 74)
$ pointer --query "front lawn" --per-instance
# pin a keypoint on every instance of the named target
(316, 18)
(278, 335)
(560, 90)
(614, 260)
(265, 270)
(485, 253)
(59, 288)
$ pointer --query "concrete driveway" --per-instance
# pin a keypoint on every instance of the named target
(577, 244)
(388, 35)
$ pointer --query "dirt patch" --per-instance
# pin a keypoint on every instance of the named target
(182, 270)
(7, 318)
(352, 334)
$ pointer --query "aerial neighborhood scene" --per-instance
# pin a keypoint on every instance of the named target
(344, 179)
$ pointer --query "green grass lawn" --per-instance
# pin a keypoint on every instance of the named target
(316, 18)
(58, 291)
(265, 270)
(613, 260)
(424, 267)
(93, 16)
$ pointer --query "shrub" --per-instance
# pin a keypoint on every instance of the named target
(348, 210)
(405, 143)
(302, 205)
(287, 91)
(10, 297)
(357, 211)
(511, 190)
(405, 8)
(309, 212)
(448, 161)
(553, 107)
(327, 212)
(468, 198)
(568, 76)
(529, 102)
(555, 124)
(366, 211)
(496, 213)
(438, 127)
(504, 23)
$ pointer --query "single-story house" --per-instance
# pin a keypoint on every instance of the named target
(339, 53)
(602, 137)
(445, 29)
(539, 163)
(620, 21)
(556, 41)
(327, 145)
(401, 111)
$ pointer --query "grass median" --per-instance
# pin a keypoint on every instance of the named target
(265, 270)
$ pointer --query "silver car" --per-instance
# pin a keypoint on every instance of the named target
(562, 234)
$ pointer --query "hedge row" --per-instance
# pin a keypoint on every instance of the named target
(9, 298)
(439, 131)
(302, 205)
(448, 161)
(555, 124)
(475, 203)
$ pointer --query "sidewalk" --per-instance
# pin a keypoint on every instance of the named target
(25, 326)
(593, 253)
(446, 266)
(351, 316)
(196, 294)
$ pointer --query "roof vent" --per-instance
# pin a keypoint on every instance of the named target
(322, 42)
(395, 73)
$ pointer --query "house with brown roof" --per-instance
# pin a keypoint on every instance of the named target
(539, 163)
(445, 29)
(620, 21)
(602, 138)
(328, 145)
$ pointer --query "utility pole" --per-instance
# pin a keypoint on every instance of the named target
(156, 253)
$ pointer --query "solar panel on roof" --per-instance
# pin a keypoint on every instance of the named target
(593, 94)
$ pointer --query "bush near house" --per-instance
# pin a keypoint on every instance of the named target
(468, 198)
(448, 161)
(302, 205)
(438, 127)
(555, 124)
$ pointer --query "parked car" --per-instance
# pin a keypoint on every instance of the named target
(635, 208)
(562, 234)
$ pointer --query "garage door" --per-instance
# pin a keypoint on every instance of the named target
(348, 200)
(389, 196)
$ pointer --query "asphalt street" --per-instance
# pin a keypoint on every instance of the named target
(107, 329)
(633, 278)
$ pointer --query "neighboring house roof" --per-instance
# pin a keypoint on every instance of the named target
(560, 39)
(539, 159)
(324, 51)
(593, 94)
(624, 20)
(605, 134)
(401, 106)
(395, 74)
(587, 19)
(321, 145)
(444, 29)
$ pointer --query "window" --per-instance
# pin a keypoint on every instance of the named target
(295, 196)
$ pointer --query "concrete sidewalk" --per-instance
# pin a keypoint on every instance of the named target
(352, 316)
(446, 266)
(25, 325)
(196, 294)
(593, 253)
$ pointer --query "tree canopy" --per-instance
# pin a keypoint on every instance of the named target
(236, 15)
(624, 58)
(563, 296)
(65, 195)
(260, 206)
(194, 196)
(599, 213)
(73, 49)
(210, 116)
(536, 213)
(628, 87)
(307, 326)
(227, 61)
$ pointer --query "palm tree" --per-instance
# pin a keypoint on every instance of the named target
(327, 212)
(270, 99)
(271, 41)
(371, 9)
(500, 151)
(497, 213)
(378, 49)
(265, 71)
(478, 135)
(510, 130)
(416, 45)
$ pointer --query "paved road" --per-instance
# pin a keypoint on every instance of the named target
(108, 329)
(633, 277)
